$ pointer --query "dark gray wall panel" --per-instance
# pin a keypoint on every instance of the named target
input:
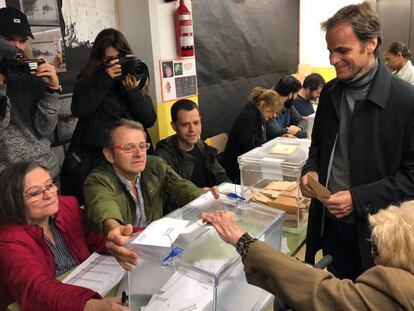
(241, 44)
(396, 17)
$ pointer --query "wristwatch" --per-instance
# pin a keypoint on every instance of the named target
(243, 243)
(52, 91)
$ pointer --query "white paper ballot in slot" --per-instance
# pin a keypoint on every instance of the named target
(162, 232)
(181, 293)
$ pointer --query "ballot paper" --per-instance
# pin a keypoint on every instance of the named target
(99, 273)
(181, 293)
(162, 232)
(282, 149)
(319, 189)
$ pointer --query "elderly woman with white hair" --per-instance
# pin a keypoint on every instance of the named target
(387, 286)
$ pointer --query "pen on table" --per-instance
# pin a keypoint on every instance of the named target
(124, 298)
(232, 195)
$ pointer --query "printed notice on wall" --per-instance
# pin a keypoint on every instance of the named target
(178, 78)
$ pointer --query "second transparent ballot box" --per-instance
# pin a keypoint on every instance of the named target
(271, 174)
(208, 273)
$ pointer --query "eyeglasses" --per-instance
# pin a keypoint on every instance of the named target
(128, 148)
(36, 193)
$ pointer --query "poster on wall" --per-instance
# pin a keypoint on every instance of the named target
(178, 78)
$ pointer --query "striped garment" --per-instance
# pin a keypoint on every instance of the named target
(64, 260)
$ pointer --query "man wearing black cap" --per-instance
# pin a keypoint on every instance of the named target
(289, 123)
(28, 101)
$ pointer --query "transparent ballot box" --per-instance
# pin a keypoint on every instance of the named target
(208, 273)
(311, 119)
(270, 175)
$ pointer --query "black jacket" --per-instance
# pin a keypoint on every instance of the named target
(381, 153)
(99, 104)
(183, 162)
(247, 133)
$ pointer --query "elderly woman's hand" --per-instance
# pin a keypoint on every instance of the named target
(115, 240)
(225, 224)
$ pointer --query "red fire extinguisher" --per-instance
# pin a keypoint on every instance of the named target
(184, 31)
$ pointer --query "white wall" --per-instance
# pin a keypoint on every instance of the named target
(312, 45)
(149, 28)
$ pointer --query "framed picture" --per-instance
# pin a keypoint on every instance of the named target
(167, 70)
(48, 43)
(41, 12)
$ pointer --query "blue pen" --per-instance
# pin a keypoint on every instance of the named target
(233, 195)
(174, 252)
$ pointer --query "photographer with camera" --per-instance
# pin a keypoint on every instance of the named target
(28, 97)
(111, 86)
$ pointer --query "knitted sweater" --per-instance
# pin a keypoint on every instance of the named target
(26, 122)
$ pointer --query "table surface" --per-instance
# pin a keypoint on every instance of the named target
(294, 243)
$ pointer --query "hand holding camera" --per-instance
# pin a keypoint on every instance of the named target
(13, 59)
(47, 73)
(130, 82)
(113, 68)
(130, 69)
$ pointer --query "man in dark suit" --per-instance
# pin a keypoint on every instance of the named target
(362, 146)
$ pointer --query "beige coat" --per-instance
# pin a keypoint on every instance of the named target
(306, 288)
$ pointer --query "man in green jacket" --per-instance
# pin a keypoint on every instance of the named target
(186, 153)
(132, 188)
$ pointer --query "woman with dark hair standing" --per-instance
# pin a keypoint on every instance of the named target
(41, 237)
(249, 129)
(103, 95)
(397, 58)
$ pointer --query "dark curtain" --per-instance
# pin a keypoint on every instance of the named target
(241, 44)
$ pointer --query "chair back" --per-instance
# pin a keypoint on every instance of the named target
(219, 142)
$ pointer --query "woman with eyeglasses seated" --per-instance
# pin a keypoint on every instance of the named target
(387, 286)
(105, 92)
(41, 237)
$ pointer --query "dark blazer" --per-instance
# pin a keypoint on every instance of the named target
(381, 153)
(247, 133)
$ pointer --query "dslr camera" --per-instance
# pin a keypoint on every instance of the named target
(130, 64)
(14, 60)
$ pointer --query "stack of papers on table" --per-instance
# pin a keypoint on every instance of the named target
(99, 273)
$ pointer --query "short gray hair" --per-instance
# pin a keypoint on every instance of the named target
(109, 135)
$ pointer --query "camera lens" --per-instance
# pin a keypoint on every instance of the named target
(133, 65)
